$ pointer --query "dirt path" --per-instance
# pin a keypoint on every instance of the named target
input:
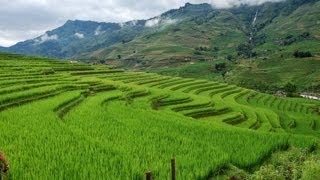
(310, 97)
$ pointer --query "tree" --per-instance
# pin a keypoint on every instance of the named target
(215, 49)
(229, 57)
(302, 54)
(290, 89)
(220, 67)
(197, 53)
(245, 50)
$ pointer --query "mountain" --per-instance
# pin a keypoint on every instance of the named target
(194, 31)
(257, 44)
(78, 36)
(261, 47)
(202, 32)
(2, 48)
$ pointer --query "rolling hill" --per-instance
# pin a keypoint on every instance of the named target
(191, 87)
(67, 120)
(257, 44)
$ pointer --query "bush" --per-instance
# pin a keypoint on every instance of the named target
(304, 35)
(246, 50)
(176, 29)
(311, 170)
(201, 48)
(290, 89)
(302, 54)
(229, 57)
(290, 39)
(197, 53)
(47, 71)
(220, 67)
(215, 49)
(292, 164)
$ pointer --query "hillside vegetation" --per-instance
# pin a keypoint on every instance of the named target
(264, 46)
(257, 43)
(67, 120)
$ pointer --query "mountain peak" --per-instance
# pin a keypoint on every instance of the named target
(187, 4)
(78, 22)
(202, 6)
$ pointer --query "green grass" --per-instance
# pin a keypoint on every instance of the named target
(110, 123)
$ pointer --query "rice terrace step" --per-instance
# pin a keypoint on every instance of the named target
(111, 114)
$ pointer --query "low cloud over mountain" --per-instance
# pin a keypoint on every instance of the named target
(41, 15)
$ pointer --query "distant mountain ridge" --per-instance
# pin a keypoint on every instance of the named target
(72, 38)
(77, 36)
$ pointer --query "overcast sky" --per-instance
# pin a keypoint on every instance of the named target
(25, 19)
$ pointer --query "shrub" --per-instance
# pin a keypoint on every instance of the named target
(215, 49)
(290, 39)
(311, 170)
(229, 57)
(302, 54)
(47, 71)
(246, 50)
(197, 53)
(220, 67)
(290, 89)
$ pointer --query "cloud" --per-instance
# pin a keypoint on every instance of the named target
(45, 38)
(152, 22)
(7, 42)
(133, 23)
(169, 21)
(40, 16)
(157, 21)
(128, 23)
(79, 35)
(98, 31)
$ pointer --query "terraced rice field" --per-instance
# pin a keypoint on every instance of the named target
(62, 120)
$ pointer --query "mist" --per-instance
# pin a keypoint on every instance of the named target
(42, 15)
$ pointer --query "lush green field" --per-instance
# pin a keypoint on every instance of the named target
(64, 120)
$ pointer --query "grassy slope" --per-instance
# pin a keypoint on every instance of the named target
(165, 49)
(170, 42)
(280, 66)
(136, 126)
